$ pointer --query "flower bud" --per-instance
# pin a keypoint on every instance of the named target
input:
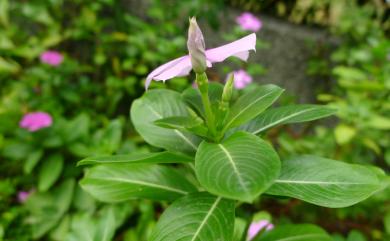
(228, 88)
(196, 47)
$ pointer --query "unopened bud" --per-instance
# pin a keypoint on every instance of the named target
(196, 47)
(228, 88)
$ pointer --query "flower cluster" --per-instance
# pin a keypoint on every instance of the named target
(52, 58)
(35, 121)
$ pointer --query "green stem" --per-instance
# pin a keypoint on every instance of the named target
(202, 82)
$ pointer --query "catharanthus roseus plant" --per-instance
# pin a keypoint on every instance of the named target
(220, 159)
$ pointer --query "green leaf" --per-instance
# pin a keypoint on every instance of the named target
(178, 122)
(193, 124)
(106, 226)
(100, 226)
(386, 222)
(48, 208)
(325, 182)
(297, 232)
(196, 217)
(193, 97)
(76, 128)
(137, 158)
(355, 235)
(158, 104)
(286, 115)
(240, 227)
(344, 134)
(252, 104)
(32, 160)
(50, 172)
(121, 182)
(109, 139)
(241, 167)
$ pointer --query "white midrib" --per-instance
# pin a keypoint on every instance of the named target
(281, 120)
(230, 158)
(317, 182)
(206, 218)
(176, 131)
(147, 184)
(248, 106)
(301, 236)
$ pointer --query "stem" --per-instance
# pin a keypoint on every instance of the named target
(202, 82)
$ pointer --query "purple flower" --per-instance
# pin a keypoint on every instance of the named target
(250, 22)
(196, 47)
(23, 195)
(182, 66)
(257, 226)
(35, 120)
(241, 79)
(53, 58)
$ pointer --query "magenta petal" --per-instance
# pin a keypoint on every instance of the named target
(161, 69)
(22, 196)
(36, 120)
(239, 48)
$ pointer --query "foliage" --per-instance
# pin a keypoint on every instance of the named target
(358, 74)
(235, 166)
(108, 47)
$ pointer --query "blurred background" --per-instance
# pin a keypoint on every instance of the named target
(70, 69)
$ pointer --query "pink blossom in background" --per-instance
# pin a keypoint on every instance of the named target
(35, 120)
(23, 195)
(53, 58)
(182, 66)
(241, 79)
(250, 22)
(256, 227)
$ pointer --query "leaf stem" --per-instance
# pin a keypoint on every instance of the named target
(202, 82)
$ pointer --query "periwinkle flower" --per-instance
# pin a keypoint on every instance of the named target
(241, 79)
(23, 195)
(250, 22)
(182, 66)
(257, 226)
(36, 120)
(196, 47)
(53, 58)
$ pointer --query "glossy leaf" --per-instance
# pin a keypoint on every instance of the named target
(241, 167)
(178, 122)
(137, 158)
(196, 217)
(50, 171)
(252, 104)
(325, 182)
(285, 115)
(121, 182)
(158, 104)
(297, 232)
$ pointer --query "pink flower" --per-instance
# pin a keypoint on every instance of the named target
(182, 66)
(250, 22)
(35, 120)
(23, 195)
(256, 227)
(53, 58)
(241, 79)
